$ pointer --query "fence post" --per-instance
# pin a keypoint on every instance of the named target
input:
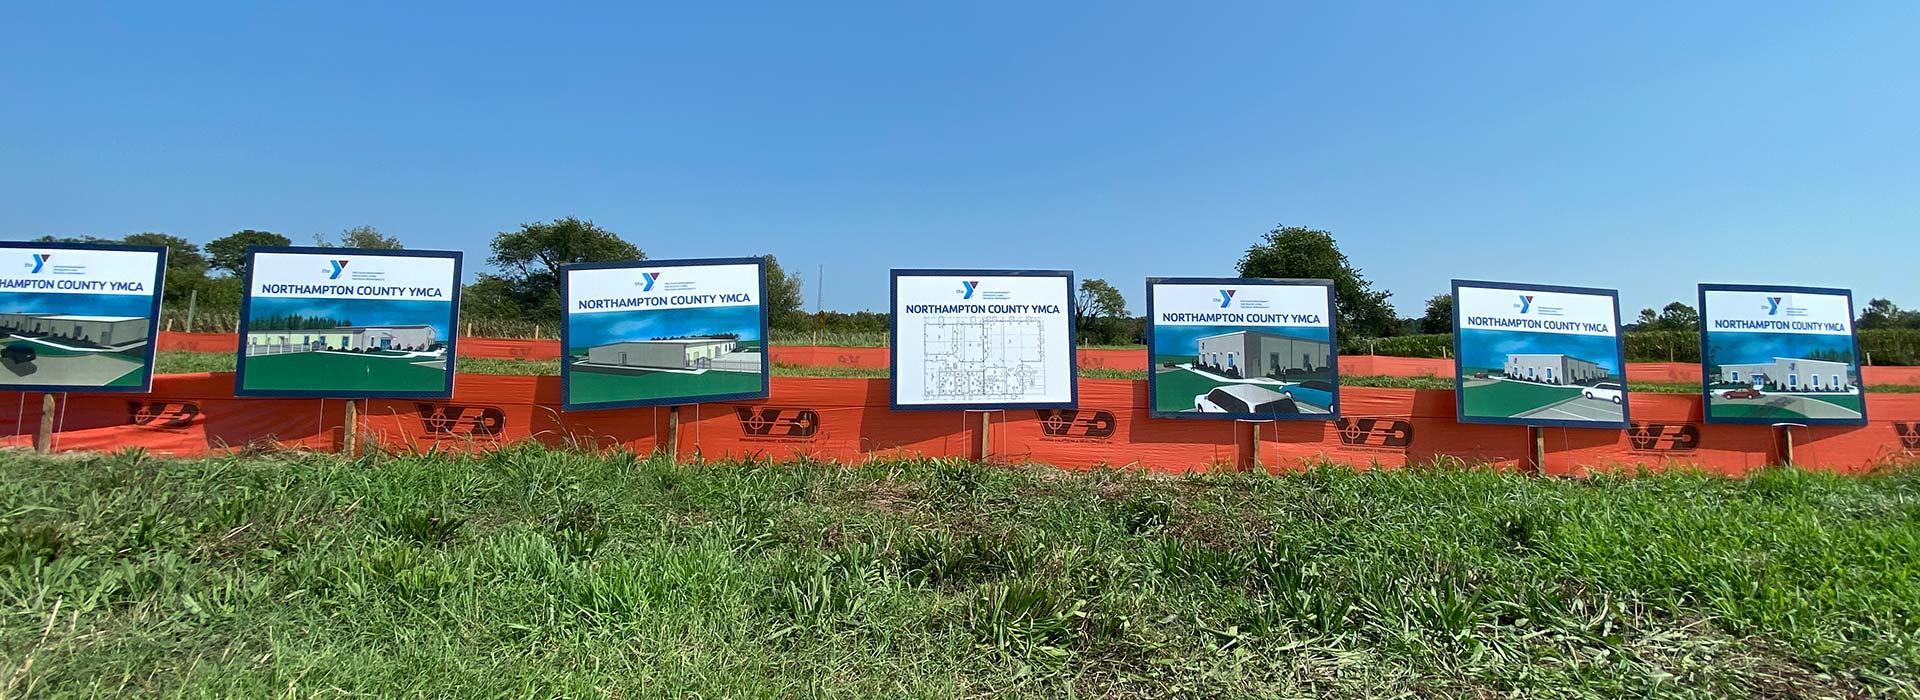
(351, 431)
(43, 439)
(193, 301)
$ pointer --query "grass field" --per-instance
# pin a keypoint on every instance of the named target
(1504, 399)
(1177, 387)
(530, 573)
(591, 385)
(342, 371)
(57, 365)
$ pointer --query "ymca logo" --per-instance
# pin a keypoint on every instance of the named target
(1093, 424)
(1226, 297)
(1526, 302)
(1773, 306)
(40, 261)
(1909, 434)
(448, 420)
(1375, 432)
(1661, 437)
(776, 423)
(647, 279)
(967, 288)
(339, 266)
(162, 415)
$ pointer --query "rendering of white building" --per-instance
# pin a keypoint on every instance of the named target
(408, 337)
(1256, 354)
(1788, 374)
(1553, 369)
(105, 331)
(677, 353)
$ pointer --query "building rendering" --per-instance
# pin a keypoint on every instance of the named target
(677, 353)
(104, 331)
(1788, 374)
(1255, 354)
(406, 337)
(1553, 369)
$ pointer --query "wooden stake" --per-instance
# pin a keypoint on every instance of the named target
(1786, 444)
(1256, 445)
(351, 430)
(1537, 450)
(43, 440)
(672, 449)
(986, 428)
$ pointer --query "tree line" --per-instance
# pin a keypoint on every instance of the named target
(523, 284)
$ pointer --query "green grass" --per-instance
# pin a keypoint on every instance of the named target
(341, 371)
(1506, 399)
(536, 573)
(591, 386)
(1177, 387)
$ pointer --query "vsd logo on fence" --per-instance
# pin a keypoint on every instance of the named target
(1375, 432)
(1909, 433)
(162, 415)
(1082, 424)
(1664, 437)
(453, 421)
(776, 423)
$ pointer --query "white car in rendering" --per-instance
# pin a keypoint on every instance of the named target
(1606, 391)
(1243, 398)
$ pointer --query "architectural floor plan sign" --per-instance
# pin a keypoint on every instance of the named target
(78, 317)
(983, 339)
(661, 332)
(1779, 355)
(1247, 349)
(348, 323)
(1538, 355)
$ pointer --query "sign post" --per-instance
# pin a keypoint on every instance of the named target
(1538, 356)
(982, 342)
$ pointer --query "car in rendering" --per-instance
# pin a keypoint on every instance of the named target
(1243, 398)
(18, 354)
(1313, 392)
(1741, 393)
(1606, 391)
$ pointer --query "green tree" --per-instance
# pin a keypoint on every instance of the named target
(1439, 316)
(360, 237)
(1883, 313)
(785, 307)
(1299, 252)
(1098, 313)
(229, 252)
(526, 280)
(1675, 316)
(186, 266)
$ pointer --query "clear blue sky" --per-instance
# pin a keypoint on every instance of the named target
(1645, 148)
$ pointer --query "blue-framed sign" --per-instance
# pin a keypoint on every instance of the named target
(348, 323)
(1539, 355)
(982, 340)
(1242, 349)
(663, 332)
(1777, 354)
(79, 317)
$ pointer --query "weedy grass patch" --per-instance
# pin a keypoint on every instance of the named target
(541, 572)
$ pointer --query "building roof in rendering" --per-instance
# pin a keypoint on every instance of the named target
(101, 319)
(706, 340)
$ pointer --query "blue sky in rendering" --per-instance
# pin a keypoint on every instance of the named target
(362, 312)
(1489, 349)
(601, 328)
(1180, 340)
(1639, 146)
(1763, 347)
(77, 304)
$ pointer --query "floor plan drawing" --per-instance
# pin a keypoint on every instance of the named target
(973, 358)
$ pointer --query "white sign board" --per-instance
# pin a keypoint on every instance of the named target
(1245, 349)
(1774, 354)
(348, 323)
(1538, 355)
(664, 332)
(78, 317)
(983, 339)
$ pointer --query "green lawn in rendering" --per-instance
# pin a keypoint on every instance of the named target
(1503, 399)
(1174, 389)
(60, 366)
(343, 372)
(594, 385)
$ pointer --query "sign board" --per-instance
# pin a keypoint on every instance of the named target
(660, 332)
(348, 323)
(79, 317)
(1772, 354)
(982, 340)
(1239, 348)
(1538, 355)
